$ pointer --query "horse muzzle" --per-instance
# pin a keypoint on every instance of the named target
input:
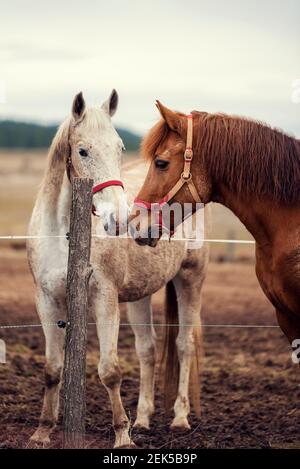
(147, 240)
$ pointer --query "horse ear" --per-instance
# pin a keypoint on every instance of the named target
(78, 106)
(111, 104)
(171, 117)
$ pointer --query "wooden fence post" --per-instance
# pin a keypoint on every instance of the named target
(79, 272)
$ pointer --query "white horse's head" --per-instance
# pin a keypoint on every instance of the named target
(96, 150)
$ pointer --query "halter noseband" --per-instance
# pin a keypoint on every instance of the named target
(185, 177)
(98, 187)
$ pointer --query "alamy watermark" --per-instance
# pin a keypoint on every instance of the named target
(295, 96)
(296, 351)
(2, 351)
(174, 221)
(2, 92)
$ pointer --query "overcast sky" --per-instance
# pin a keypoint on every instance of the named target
(235, 56)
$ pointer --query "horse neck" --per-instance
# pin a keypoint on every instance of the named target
(245, 209)
(54, 198)
(265, 219)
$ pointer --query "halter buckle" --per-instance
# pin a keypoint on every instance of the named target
(188, 154)
(184, 178)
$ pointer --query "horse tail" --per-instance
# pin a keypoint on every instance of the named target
(170, 360)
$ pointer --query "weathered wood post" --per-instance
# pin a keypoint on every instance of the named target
(79, 272)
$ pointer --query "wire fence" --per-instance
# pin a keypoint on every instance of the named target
(66, 236)
(63, 324)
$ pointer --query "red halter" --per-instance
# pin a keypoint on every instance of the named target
(103, 185)
(185, 178)
(98, 187)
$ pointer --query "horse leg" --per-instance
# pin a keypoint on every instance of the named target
(49, 311)
(187, 342)
(140, 312)
(290, 326)
(107, 322)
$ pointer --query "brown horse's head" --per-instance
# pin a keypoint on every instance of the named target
(164, 146)
(236, 161)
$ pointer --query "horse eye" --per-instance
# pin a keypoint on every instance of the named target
(161, 164)
(83, 152)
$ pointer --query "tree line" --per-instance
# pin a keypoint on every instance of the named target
(27, 135)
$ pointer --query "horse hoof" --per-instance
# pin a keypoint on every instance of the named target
(35, 443)
(142, 424)
(40, 437)
(180, 425)
(131, 445)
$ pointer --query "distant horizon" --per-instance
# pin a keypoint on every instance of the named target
(18, 134)
(124, 127)
(57, 124)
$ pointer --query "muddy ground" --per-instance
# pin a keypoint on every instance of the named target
(250, 393)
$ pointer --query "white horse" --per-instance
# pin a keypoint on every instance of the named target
(122, 272)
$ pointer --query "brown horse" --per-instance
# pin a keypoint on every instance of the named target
(253, 170)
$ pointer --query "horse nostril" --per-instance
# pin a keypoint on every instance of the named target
(105, 226)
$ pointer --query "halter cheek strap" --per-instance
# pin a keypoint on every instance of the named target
(186, 175)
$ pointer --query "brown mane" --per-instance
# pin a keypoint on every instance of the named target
(248, 156)
(153, 139)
